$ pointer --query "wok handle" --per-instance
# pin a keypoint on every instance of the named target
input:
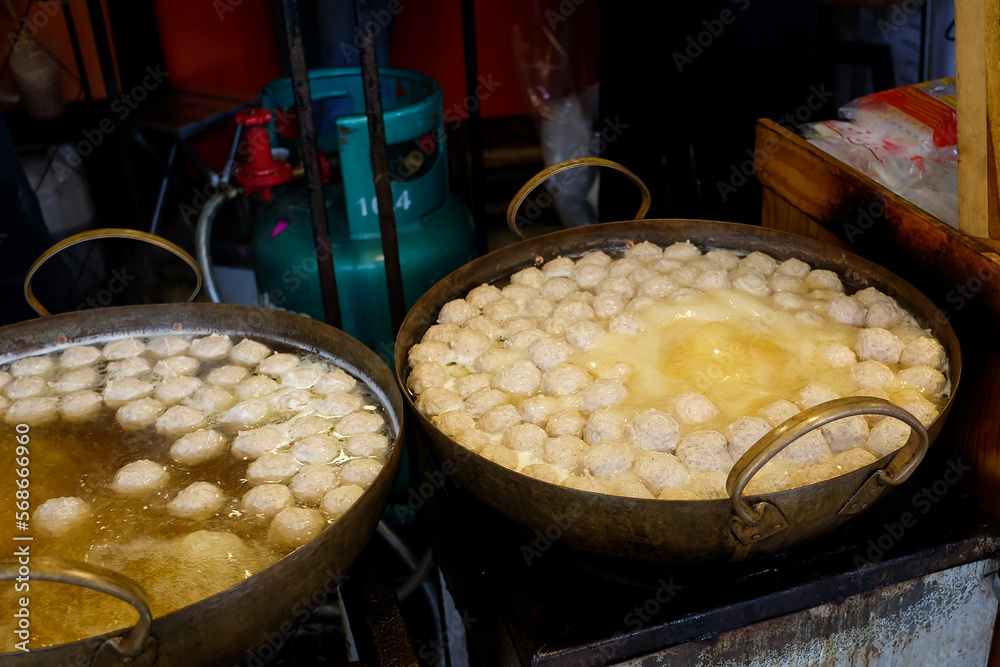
(107, 233)
(59, 570)
(902, 465)
(548, 172)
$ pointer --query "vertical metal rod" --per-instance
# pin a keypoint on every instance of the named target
(475, 121)
(380, 169)
(77, 53)
(310, 160)
(103, 44)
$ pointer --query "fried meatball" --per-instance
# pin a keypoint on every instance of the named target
(360, 422)
(499, 419)
(127, 368)
(712, 279)
(198, 447)
(290, 399)
(468, 345)
(584, 335)
(922, 410)
(469, 384)
(779, 282)
(472, 439)
(437, 400)
(278, 363)
(168, 346)
(883, 315)
(271, 468)
(924, 352)
(316, 449)
(139, 414)
(500, 455)
(769, 480)
(176, 366)
(847, 310)
(302, 377)
(751, 284)
(704, 450)
(787, 301)
(627, 323)
(337, 501)
(659, 470)
(536, 409)
(249, 352)
(180, 419)
(620, 285)
(778, 412)
(541, 471)
(871, 374)
(821, 279)
(692, 408)
(608, 458)
(654, 430)
(341, 403)
(80, 406)
(252, 412)
(709, 484)
(887, 436)
(521, 377)
(657, 287)
(140, 479)
(210, 399)
(25, 387)
(644, 252)
(878, 345)
(631, 488)
(759, 263)
(176, 389)
(266, 500)
(547, 354)
(57, 516)
(305, 425)
(539, 308)
(197, 501)
(809, 448)
(335, 380)
(924, 379)
(367, 444)
(604, 425)
(212, 347)
(682, 251)
(483, 325)
(457, 311)
(564, 452)
(501, 310)
(453, 422)
(478, 297)
(815, 393)
(226, 375)
(78, 355)
(32, 366)
(838, 355)
(255, 386)
(565, 422)
(524, 438)
(294, 526)
(123, 348)
(33, 411)
(608, 304)
(603, 393)
(846, 433)
(744, 433)
(313, 482)
(119, 391)
(853, 459)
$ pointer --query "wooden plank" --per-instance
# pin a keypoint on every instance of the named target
(839, 197)
(977, 68)
(777, 213)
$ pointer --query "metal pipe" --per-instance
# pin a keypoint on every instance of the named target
(310, 160)
(380, 169)
(470, 49)
(203, 241)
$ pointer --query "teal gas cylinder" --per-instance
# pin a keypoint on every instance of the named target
(435, 230)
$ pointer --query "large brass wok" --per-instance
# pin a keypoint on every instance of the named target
(672, 531)
(246, 621)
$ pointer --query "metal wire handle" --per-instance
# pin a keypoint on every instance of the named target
(63, 571)
(547, 173)
(895, 472)
(107, 233)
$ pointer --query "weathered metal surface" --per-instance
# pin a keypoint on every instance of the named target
(663, 531)
(228, 628)
(945, 618)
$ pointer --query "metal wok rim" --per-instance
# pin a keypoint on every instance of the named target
(50, 334)
(496, 267)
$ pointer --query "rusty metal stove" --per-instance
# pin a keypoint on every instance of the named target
(910, 582)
